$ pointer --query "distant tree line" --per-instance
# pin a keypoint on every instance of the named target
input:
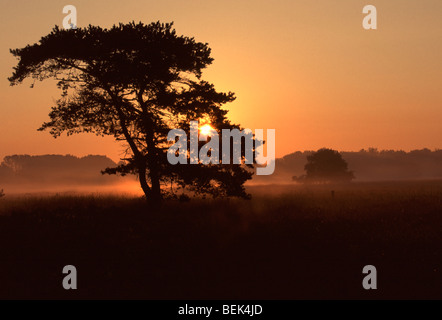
(55, 169)
(367, 165)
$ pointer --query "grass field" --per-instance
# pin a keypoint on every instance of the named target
(288, 242)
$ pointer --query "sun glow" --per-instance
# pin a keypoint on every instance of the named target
(207, 130)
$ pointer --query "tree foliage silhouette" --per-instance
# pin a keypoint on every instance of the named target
(326, 165)
(135, 82)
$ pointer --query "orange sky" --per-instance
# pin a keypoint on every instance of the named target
(305, 68)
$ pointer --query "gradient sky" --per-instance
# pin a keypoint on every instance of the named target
(306, 68)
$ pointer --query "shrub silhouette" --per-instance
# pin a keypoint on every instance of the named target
(326, 165)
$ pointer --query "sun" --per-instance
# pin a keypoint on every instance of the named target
(207, 130)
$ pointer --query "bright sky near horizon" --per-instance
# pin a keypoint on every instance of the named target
(305, 68)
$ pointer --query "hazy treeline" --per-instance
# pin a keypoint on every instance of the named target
(47, 171)
(367, 165)
(24, 173)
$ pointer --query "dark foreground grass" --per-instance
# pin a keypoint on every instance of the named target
(286, 243)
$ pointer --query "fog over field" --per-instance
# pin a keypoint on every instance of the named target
(20, 174)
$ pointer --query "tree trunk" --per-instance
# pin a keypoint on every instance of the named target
(143, 180)
(153, 171)
(153, 195)
(152, 159)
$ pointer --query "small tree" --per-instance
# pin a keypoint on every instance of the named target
(326, 165)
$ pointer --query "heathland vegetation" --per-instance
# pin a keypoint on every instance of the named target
(286, 242)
